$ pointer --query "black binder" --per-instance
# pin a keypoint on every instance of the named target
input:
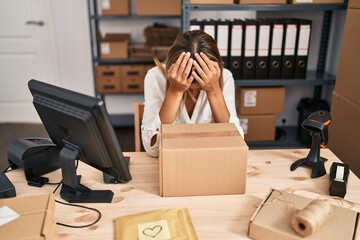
(210, 27)
(223, 32)
(276, 44)
(236, 40)
(302, 48)
(262, 49)
(249, 49)
(196, 25)
(289, 43)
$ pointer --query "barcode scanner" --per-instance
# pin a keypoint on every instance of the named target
(317, 124)
(339, 174)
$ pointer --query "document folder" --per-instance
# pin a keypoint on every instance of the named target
(262, 49)
(223, 32)
(302, 49)
(288, 56)
(210, 27)
(236, 42)
(276, 44)
(196, 25)
(249, 49)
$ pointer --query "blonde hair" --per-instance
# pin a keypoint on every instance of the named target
(194, 41)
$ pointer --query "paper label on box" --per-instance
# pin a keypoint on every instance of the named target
(105, 4)
(105, 48)
(154, 230)
(244, 124)
(7, 215)
(250, 98)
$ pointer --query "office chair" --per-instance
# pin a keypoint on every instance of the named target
(138, 114)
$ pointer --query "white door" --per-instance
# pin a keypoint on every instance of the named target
(27, 51)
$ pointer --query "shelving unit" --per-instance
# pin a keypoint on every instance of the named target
(317, 79)
(118, 120)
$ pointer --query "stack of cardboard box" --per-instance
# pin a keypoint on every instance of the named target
(257, 109)
(345, 108)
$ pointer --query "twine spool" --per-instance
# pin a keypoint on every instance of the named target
(311, 218)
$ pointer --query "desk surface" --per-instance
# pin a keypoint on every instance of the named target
(214, 217)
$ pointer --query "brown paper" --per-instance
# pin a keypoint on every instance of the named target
(155, 225)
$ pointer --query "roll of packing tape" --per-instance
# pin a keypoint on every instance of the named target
(311, 218)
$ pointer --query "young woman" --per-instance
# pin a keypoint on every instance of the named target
(192, 87)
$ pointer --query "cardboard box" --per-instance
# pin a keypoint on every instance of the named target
(353, 4)
(132, 79)
(263, 1)
(258, 127)
(158, 7)
(108, 85)
(202, 159)
(214, 1)
(315, 1)
(36, 219)
(344, 131)
(115, 46)
(261, 100)
(272, 219)
(160, 36)
(114, 7)
(348, 74)
(105, 71)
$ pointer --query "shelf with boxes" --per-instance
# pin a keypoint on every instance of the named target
(119, 63)
(272, 135)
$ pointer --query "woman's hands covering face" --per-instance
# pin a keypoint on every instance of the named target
(206, 73)
(178, 74)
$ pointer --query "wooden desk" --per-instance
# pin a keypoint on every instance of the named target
(214, 217)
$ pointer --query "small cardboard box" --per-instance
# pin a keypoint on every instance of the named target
(108, 85)
(132, 79)
(262, 100)
(263, 1)
(105, 71)
(272, 219)
(158, 7)
(115, 46)
(315, 1)
(354, 4)
(258, 127)
(36, 219)
(202, 159)
(115, 7)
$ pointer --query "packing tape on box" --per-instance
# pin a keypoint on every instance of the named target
(201, 134)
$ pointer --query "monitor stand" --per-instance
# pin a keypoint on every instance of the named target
(72, 191)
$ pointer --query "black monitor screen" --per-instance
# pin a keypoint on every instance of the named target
(79, 125)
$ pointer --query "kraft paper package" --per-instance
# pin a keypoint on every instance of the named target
(155, 225)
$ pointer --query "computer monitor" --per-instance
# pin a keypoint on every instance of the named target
(81, 127)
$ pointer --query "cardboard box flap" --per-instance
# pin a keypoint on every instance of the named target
(273, 219)
(36, 217)
(197, 137)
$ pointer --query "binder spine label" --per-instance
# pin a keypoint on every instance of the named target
(210, 29)
(277, 39)
(290, 39)
(250, 41)
(223, 37)
(236, 40)
(264, 35)
(304, 38)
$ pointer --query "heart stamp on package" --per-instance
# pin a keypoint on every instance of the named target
(154, 230)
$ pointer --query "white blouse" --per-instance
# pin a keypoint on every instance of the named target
(155, 88)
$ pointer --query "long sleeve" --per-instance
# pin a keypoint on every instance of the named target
(154, 90)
